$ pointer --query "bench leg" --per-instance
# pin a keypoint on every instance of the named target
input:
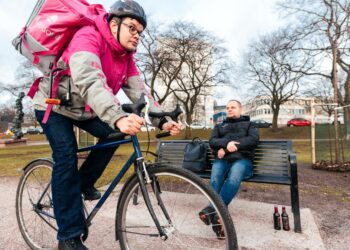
(295, 206)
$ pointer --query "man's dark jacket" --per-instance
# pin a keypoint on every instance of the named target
(235, 129)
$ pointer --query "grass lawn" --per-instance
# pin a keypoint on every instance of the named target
(14, 158)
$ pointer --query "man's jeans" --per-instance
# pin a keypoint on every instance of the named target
(227, 177)
(67, 181)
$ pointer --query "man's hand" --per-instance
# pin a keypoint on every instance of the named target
(172, 127)
(130, 124)
(221, 153)
(231, 146)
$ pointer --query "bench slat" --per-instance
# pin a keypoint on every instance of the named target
(270, 164)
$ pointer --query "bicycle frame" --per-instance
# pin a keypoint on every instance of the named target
(140, 169)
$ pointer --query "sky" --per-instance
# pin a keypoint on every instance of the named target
(237, 22)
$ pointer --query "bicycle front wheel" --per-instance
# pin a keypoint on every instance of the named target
(34, 208)
(177, 197)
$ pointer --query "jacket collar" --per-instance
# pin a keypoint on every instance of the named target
(242, 118)
(103, 27)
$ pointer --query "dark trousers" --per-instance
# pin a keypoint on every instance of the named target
(67, 180)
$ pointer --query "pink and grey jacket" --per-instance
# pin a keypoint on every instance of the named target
(99, 68)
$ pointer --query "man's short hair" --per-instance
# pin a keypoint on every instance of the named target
(234, 100)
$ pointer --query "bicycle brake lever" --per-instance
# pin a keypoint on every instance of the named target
(146, 110)
(183, 112)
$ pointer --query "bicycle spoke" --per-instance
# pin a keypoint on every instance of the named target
(182, 199)
(34, 206)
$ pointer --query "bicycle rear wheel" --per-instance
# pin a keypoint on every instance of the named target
(34, 208)
(184, 195)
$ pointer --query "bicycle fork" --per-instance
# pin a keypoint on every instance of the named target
(144, 180)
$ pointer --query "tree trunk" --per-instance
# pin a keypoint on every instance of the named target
(347, 109)
(188, 129)
(336, 100)
(275, 118)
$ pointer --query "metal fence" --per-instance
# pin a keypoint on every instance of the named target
(330, 145)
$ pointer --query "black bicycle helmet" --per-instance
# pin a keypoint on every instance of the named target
(128, 8)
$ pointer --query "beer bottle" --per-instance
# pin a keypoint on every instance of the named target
(285, 220)
(276, 219)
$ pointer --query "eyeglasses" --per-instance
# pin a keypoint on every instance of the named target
(133, 31)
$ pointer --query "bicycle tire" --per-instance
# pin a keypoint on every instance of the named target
(135, 228)
(39, 231)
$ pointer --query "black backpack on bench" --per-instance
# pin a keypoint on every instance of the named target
(195, 156)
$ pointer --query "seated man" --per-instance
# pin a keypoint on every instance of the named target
(233, 142)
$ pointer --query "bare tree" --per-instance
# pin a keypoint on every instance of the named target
(265, 65)
(25, 74)
(322, 90)
(181, 63)
(205, 66)
(7, 115)
(324, 33)
(162, 56)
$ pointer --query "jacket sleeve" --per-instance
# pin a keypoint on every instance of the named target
(250, 141)
(90, 82)
(133, 90)
(217, 141)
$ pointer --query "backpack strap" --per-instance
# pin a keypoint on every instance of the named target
(55, 84)
(34, 88)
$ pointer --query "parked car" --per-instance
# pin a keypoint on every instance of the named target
(32, 130)
(197, 126)
(262, 124)
(150, 128)
(298, 122)
(40, 129)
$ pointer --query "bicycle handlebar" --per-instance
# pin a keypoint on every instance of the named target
(137, 107)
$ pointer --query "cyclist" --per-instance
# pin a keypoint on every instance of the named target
(101, 61)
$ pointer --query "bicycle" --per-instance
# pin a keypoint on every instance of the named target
(167, 216)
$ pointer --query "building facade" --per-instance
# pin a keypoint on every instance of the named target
(259, 108)
(203, 110)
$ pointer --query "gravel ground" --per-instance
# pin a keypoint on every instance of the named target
(327, 194)
(11, 238)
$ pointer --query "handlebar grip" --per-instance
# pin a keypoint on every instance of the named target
(156, 115)
(161, 135)
(116, 135)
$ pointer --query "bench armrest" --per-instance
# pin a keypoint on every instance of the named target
(292, 159)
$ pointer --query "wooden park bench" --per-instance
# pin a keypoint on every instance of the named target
(274, 163)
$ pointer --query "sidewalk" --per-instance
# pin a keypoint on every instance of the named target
(253, 222)
(254, 226)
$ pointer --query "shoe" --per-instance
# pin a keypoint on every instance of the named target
(72, 244)
(91, 193)
(207, 215)
(217, 227)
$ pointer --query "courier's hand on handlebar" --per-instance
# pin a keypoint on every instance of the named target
(130, 124)
(172, 127)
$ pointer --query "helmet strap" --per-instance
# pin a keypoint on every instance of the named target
(118, 32)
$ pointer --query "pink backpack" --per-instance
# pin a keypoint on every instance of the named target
(47, 33)
(50, 27)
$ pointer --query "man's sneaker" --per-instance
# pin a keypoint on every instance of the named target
(72, 244)
(91, 193)
(207, 215)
